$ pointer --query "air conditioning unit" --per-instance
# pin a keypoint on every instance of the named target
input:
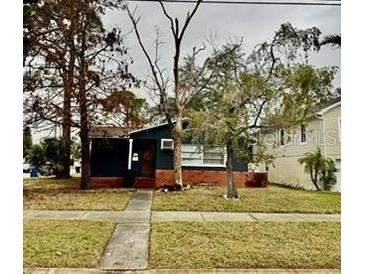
(167, 144)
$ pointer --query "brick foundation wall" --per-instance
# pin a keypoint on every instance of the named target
(106, 182)
(215, 177)
(192, 176)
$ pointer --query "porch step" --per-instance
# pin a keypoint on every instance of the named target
(144, 182)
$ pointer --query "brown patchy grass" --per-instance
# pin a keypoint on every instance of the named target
(271, 199)
(245, 245)
(64, 243)
(54, 194)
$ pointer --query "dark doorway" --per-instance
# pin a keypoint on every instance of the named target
(148, 161)
(146, 151)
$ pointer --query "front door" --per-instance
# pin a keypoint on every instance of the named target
(148, 160)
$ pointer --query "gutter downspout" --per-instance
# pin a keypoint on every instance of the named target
(321, 145)
(130, 154)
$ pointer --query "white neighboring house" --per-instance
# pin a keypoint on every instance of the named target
(323, 131)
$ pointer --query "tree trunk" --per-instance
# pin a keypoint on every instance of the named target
(84, 131)
(315, 181)
(177, 150)
(231, 186)
(66, 125)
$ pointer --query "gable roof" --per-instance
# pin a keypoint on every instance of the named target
(108, 131)
(147, 128)
(120, 132)
(328, 106)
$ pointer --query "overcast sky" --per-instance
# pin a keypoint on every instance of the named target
(254, 23)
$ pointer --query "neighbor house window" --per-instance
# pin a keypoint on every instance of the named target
(282, 137)
(303, 134)
(194, 155)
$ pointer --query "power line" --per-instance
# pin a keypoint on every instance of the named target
(282, 3)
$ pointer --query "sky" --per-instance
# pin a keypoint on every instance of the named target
(254, 24)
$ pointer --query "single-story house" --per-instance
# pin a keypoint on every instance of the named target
(144, 158)
(323, 130)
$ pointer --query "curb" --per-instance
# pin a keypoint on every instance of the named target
(178, 271)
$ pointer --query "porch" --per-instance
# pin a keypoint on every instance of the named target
(118, 162)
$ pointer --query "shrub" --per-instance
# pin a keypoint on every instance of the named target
(328, 176)
(37, 158)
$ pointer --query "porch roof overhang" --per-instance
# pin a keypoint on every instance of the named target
(109, 132)
(121, 132)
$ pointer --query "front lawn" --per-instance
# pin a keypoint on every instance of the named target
(245, 245)
(66, 194)
(271, 199)
(64, 243)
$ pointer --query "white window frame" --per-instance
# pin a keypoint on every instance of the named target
(201, 154)
(169, 140)
(306, 134)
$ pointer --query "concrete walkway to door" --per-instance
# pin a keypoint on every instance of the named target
(128, 246)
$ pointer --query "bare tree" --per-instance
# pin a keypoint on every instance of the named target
(181, 95)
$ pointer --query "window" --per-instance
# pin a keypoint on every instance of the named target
(191, 155)
(213, 156)
(167, 144)
(303, 134)
(282, 137)
(195, 155)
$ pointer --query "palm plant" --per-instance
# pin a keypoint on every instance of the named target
(319, 168)
(333, 40)
(313, 164)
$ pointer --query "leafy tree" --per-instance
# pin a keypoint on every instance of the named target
(49, 68)
(37, 157)
(75, 148)
(96, 66)
(320, 169)
(123, 108)
(271, 88)
(27, 141)
(75, 63)
(28, 13)
(53, 152)
(49, 150)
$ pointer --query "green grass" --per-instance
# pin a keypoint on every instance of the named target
(64, 243)
(66, 194)
(245, 245)
(271, 199)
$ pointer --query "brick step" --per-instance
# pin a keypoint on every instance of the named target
(144, 182)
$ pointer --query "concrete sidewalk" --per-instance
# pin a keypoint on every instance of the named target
(138, 212)
(169, 216)
(180, 271)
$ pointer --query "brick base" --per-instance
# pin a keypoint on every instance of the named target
(193, 177)
(214, 177)
(107, 181)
